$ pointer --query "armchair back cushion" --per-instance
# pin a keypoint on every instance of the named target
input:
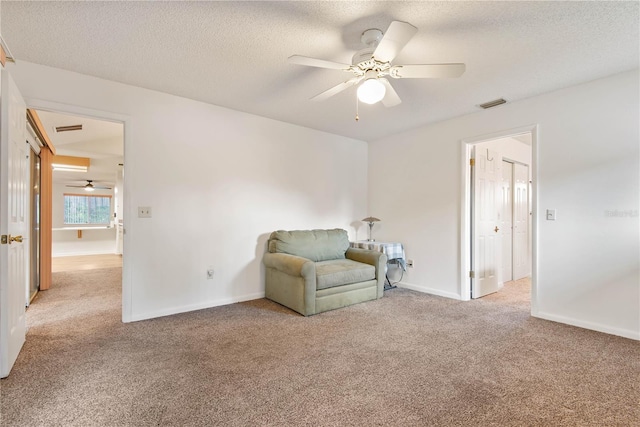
(316, 245)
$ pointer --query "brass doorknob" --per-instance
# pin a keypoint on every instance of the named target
(15, 239)
(496, 229)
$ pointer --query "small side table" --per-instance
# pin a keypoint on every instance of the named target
(393, 250)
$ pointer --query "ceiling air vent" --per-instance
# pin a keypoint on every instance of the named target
(68, 128)
(493, 103)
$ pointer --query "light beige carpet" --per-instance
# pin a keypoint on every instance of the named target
(408, 359)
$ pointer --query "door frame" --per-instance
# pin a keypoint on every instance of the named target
(465, 207)
(39, 104)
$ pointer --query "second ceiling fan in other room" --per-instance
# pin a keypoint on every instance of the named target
(89, 186)
(373, 63)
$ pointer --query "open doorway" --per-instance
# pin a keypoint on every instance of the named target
(86, 193)
(498, 231)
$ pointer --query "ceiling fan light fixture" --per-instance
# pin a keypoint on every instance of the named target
(89, 186)
(371, 91)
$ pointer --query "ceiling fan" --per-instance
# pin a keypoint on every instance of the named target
(89, 186)
(373, 63)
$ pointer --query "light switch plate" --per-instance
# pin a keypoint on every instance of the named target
(551, 214)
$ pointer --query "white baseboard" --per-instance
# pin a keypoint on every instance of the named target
(427, 290)
(193, 307)
(625, 333)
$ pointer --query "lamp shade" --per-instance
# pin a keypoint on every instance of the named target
(371, 91)
(371, 219)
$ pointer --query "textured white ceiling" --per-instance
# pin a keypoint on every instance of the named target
(234, 54)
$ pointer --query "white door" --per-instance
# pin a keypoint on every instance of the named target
(506, 221)
(486, 245)
(520, 221)
(13, 222)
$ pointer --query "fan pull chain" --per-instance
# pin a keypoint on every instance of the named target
(357, 117)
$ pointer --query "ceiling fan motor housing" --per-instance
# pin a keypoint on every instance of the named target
(362, 55)
(363, 59)
(371, 37)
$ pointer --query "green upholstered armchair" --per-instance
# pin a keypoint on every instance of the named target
(311, 271)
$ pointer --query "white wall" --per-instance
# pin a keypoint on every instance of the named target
(92, 242)
(588, 169)
(218, 181)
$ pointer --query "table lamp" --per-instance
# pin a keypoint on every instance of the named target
(370, 220)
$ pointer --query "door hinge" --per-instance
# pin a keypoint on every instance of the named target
(472, 274)
(472, 162)
(4, 240)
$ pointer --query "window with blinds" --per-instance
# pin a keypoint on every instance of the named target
(92, 210)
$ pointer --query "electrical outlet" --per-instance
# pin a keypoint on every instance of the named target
(144, 211)
(210, 274)
(410, 263)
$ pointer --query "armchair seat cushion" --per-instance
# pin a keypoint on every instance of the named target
(341, 272)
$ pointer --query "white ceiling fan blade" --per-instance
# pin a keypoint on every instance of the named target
(426, 71)
(397, 36)
(391, 97)
(336, 89)
(314, 62)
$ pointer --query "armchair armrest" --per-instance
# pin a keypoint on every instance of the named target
(291, 281)
(290, 264)
(375, 258)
